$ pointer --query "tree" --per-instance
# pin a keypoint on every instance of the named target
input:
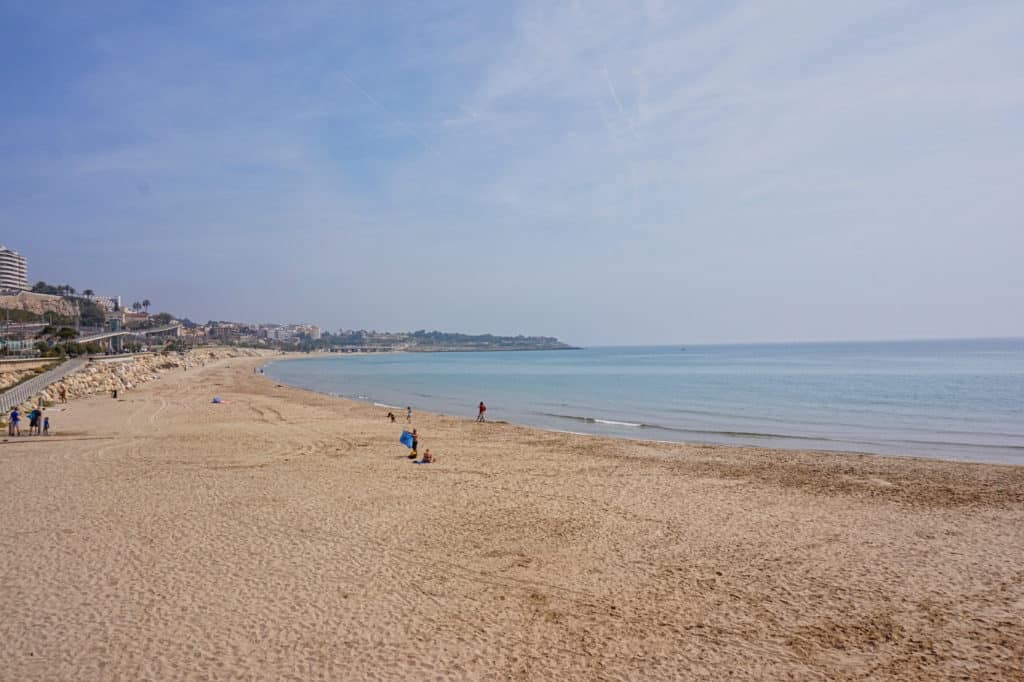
(146, 304)
(136, 306)
(88, 292)
(90, 314)
(66, 333)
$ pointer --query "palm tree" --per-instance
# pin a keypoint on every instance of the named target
(146, 304)
(136, 306)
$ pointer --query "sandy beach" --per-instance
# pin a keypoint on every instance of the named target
(284, 535)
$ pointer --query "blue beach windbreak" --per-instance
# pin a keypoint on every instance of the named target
(406, 439)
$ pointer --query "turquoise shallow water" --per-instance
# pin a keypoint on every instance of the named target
(960, 399)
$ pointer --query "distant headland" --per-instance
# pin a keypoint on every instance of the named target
(422, 341)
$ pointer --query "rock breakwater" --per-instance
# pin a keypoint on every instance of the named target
(105, 375)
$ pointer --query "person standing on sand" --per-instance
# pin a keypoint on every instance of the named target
(408, 416)
(415, 444)
(480, 415)
(12, 426)
(63, 393)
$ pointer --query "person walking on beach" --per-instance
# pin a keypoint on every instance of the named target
(46, 426)
(13, 429)
(408, 416)
(480, 414)
(63, 393)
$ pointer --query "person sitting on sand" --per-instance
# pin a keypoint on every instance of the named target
(427, 457)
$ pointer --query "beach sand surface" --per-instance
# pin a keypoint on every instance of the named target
(284, 535)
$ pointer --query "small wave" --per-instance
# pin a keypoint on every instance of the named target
(390, 407)
(705, 432)
(615, 423)
(595, 420)
(363, 397)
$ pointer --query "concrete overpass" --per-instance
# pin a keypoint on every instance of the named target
(118, 335)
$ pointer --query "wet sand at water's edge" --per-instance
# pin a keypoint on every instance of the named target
(284, 535)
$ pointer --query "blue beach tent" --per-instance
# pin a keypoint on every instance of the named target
(406, 439)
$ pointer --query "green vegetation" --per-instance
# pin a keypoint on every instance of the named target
(436, 338)
(90, 313)
(176, 345)
(42, 287)
(422, 340)
(67, 349)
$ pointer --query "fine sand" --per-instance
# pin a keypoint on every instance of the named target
(284, 535)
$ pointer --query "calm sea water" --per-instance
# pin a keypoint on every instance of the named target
(946, 399)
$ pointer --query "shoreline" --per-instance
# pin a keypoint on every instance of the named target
(691, 443)
(283, 533)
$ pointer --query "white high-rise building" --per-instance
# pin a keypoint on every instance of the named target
(13, 270)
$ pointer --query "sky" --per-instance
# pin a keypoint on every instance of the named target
(604, 172)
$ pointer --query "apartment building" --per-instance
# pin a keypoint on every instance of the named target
(13, 270)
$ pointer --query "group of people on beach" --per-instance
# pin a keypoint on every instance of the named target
(38, 425)
(412, 439)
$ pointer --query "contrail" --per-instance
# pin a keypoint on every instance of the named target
(622, 113)
(426, 145)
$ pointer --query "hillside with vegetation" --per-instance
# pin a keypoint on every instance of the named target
(424, 341)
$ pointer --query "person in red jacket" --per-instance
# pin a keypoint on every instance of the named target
(480, 415)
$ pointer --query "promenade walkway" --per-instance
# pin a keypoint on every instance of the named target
(129, 332)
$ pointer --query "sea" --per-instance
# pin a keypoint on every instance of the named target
(950, 399)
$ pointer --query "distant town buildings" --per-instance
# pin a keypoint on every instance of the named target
(111, 303)
(291, 333)
(13, 270)
(26, 310)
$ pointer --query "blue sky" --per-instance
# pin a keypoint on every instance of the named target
(676, 172)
